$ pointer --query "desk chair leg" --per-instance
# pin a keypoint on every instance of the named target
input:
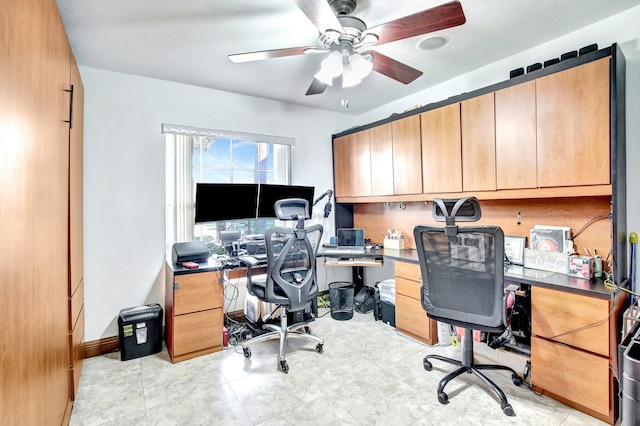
(467, 365)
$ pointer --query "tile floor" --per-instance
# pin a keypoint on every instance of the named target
(367, 375)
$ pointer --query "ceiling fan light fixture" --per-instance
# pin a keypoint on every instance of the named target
(324, 77)
(350, 77)
(332, 64)
(360, 66)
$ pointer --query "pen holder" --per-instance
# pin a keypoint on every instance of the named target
(397, 244)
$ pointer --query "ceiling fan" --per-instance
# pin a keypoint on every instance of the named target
(345, 38)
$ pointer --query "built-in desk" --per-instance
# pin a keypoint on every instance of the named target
(575, 327)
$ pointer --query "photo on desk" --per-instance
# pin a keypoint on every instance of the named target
(514, 248)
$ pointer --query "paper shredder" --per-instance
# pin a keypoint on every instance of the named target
(140, 331)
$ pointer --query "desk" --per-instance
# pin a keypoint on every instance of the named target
(575, 331)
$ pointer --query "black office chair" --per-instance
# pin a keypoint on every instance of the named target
(463, 285)
(290, 281)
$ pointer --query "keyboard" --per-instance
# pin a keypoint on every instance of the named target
(360, 261)
(341, 252)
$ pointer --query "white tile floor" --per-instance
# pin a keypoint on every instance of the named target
(367, 375)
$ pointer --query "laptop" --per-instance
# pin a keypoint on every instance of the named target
(349, 241)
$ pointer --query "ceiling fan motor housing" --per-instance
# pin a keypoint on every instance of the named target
(343, 7)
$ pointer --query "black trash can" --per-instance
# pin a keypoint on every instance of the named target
(140, 331)
(341, 300)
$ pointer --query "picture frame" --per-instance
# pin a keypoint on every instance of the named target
(514, 248)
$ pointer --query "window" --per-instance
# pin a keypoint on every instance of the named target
(214, 156)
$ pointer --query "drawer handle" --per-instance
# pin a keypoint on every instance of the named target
(176, 286)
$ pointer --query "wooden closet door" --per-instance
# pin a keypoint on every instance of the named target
(352, 165)
(34, 167)
(381, 138)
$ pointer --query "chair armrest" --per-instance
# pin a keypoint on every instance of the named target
(248, 260)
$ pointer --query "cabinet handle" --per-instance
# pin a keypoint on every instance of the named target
(70, 120)
(176, 286)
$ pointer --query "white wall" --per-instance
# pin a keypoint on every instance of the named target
(124, 176)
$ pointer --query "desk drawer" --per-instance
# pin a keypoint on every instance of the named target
(412, 320)
(408, 288)
(410, 271)
(196, 292)
(197, 331)
(556, 312)
(570, 373)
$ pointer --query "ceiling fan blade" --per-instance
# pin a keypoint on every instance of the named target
(437, 18)
(316, 87)
(392, 68)
(268, 54)
(321, 15)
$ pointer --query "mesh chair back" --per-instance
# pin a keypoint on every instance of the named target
(291, 260)
(462, 275)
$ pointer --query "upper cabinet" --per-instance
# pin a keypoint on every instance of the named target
(544, 137)
(352, 165)
(573, 126)
(478, 144)
(381, 139)
(441, 149)
(407, 170)
(516, 137)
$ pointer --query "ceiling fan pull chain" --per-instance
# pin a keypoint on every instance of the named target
(344, 102)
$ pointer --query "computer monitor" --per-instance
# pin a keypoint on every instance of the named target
(270, 193)
(225, 201)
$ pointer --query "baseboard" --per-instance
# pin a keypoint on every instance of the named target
(101, 346)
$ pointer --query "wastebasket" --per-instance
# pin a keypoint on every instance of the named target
(140, 331)
(631, 385)
(341, 300)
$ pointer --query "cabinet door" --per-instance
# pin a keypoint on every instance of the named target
(352, 165)
(568, 318)
(478, 144)
(573, 374)
(412, 320)
(573, 126)
(197, 331)
(196, 292)
(407, 167)
(381, 140)
(516, 137)
(441, 150)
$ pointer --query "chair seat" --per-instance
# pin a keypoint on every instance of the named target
(498, 329)
(258, 287)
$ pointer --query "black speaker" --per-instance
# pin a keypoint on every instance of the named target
(516, 72)
(534, 67)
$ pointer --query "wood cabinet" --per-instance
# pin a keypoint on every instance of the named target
(573, 109)
(352, 165)
(441, 149)
(573, 349)
(515, 109)
(478, 143)
(194, 317)
(382, 165)
(407, 170)
(41, 282)
(411, 319)
(76, 260)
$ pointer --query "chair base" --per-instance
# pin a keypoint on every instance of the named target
(283, 332)
(467, 365)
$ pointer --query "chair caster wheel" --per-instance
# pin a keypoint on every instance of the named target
(508, 410)
(517, 380)
(284, 367)
(246, 352)
(307, 330)
(319, 348)
(427, 365)
(443, 398)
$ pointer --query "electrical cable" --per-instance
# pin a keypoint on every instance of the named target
(589, 223)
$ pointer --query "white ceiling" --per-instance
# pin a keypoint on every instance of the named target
(188, 41)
